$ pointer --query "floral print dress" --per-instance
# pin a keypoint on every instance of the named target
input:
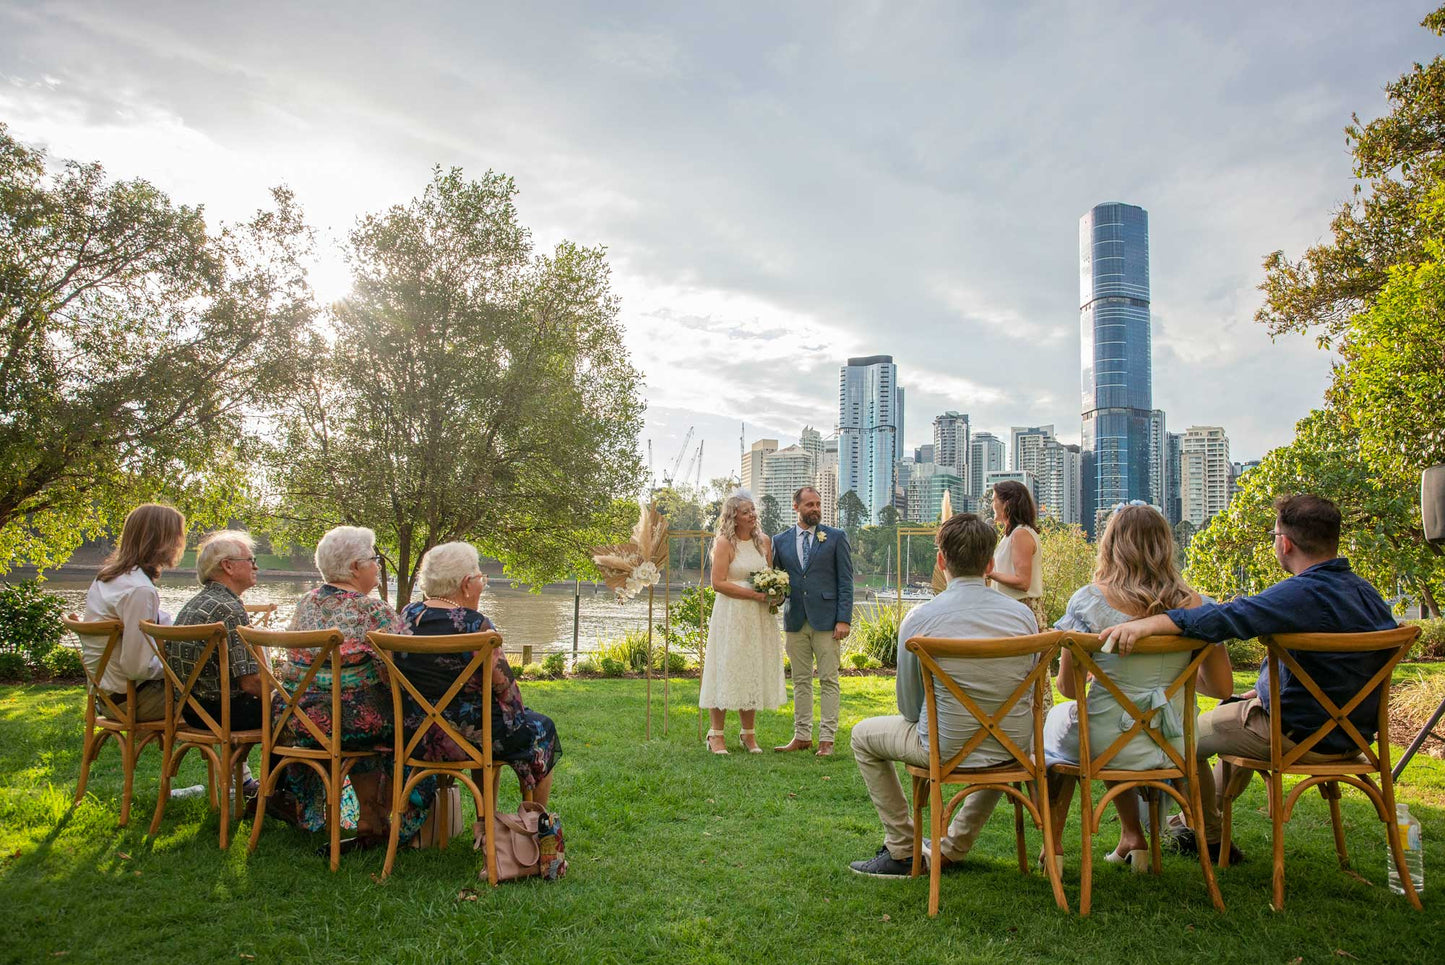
(366, 715)
(522, 738)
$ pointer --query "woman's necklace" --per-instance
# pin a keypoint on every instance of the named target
(454, 603)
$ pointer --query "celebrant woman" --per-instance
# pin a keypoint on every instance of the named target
(743, 663)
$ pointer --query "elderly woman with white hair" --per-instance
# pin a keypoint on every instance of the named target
(350, 568)
(452, 582)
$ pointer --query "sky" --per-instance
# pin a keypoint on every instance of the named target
(781, 186)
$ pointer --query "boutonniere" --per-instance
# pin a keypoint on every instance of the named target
(822, 536)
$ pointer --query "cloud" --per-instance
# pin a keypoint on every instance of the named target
(779, 190)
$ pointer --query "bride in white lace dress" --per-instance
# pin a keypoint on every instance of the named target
(743, 663)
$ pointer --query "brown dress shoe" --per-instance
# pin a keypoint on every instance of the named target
(825, 748)
(793, 745)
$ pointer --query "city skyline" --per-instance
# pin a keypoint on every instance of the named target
(779, 191)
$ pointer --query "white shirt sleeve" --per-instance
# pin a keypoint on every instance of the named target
(137, 660)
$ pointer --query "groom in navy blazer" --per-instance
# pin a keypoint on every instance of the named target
(816, 615)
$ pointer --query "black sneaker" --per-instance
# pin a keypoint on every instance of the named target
(1183, 841)
(883, 865)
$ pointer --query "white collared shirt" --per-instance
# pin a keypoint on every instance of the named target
(799, 541)
(129, 598)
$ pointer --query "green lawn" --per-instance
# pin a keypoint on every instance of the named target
(676, 856)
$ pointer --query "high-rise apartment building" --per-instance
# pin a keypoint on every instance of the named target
(751, 476)
(869, 431)
(784, 473)
(952, 444)
(923, 453)
(926, 486)
(1016, 475)
(1158, 461)
(1056, 469)
(1205, 473)
(1116, 376)
(986, 455)
(1173, 485)
(1025, 444)
(812, 441)
(826, 480)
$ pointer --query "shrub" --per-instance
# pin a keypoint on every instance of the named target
(875, 632)
(863, 661)
(687, 628)
(1431, 642)
(554, 664)
(532, 671)
(64, 662)
(631, 652)
(1245, 654)
(587, 667)
(13, 666)
(612, 667)
(30, 619)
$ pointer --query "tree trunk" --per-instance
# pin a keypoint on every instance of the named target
(1428, 599)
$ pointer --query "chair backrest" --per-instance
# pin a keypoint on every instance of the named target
(261, 613)
(1279, 646)
(327, 644)
(1083, 646)
(111, 630)
(181, 693)
(1042, 646)
(483, 649)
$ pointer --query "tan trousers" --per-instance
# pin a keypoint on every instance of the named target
(880, 741)
(808, 648)
(150, 700)
(1242, 728)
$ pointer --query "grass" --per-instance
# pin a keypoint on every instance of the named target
(676, 856)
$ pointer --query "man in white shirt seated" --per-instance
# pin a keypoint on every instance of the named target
(965, 609)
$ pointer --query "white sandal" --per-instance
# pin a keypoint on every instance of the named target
(755, 749)
(1137, 860)
(707, 741)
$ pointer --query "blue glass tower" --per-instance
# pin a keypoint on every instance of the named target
(1118, 459)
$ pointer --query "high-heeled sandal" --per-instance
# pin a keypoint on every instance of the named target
(707, 741)
(755, 749)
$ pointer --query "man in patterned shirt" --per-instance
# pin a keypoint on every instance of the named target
(226, 568)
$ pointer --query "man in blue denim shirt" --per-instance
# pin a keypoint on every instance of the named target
(1324, 596)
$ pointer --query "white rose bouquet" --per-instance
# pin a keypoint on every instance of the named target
(775, 584)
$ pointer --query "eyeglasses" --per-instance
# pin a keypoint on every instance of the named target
(242, 559)
(1275, 534)
(373, 558)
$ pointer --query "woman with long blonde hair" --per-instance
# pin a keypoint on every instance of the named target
(1135, 575)
(743, 663)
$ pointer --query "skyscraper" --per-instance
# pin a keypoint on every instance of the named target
(1173, 486)
(869, 433)
(785, 471)
(1114, 340)
(1055, 468)
(951, 443)
(1205, 473)
(826, 480)
(751, 475)
(986, 455)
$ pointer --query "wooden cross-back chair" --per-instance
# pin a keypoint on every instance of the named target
(261, 614)
(1153, 783)
(328, 759)
(104, 719)
(484, 649)
(1371, 760)
(224, 749)
(1025, 768)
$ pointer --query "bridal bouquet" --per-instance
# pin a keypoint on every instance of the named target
(775, 584)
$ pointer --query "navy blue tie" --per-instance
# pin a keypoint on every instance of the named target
(807, 546)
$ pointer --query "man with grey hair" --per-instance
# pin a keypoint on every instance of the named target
(226, 568)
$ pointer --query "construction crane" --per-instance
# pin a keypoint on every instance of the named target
(694, 469)
(668, 477)
(697, 480)
(650, 478)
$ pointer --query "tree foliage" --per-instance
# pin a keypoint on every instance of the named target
(471, 390)
(770, 516)
(1068, 562)
(852, 514)
(133, 345)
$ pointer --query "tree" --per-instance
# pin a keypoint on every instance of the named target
(888, 517)
(769, 516)
(1068, 563)
(471, 391)
(134, 344)
(1398, 161)
(852, 513)
(1184, 532)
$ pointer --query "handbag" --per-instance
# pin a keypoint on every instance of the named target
(528, 843)
(430, 835)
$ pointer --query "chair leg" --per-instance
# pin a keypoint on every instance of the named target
(221, 790)
(1276, 818)
(920, 788)
(1330, 791)
(1019, 841)
(1234, 784)
(393, 834)
(168, 748)
(1153, 795)
(268, 782)
(935, 825)
(489, 822)
(1040, 792)
(1196, 824)
(128, 759)
(1086, 846)
(333, 813)
(88, 751)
